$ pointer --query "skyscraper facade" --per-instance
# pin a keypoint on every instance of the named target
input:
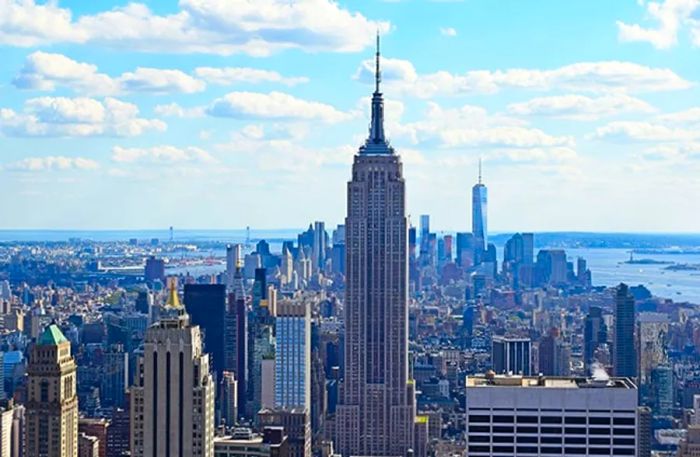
(52, 401)
(293, 355)
(479, 207)
(206, 305)
(172, 400)
(624, 353)
(376, 413)
(236, 339)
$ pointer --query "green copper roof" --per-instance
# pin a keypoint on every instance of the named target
(52, 336)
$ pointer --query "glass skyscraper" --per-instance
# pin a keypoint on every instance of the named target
(479, 207)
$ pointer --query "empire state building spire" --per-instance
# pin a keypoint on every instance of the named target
(376, 129)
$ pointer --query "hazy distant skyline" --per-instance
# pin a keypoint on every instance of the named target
(225, 114)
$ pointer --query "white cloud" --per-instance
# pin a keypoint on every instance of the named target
(200, 26)
(645, 132)
(160, 81)
(580, 107)
(448, 31)
(76, 117)
(273, 105)
(234, 75)
(472, 126)
(25, 23)
(46, 71)
(161, 154)
(53, 163)
(175, 110)
(671, 16)
(606, 76)
(689, 116)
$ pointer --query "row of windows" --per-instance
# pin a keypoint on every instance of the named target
(552, 419)
(475, 450)
(591, 441)
(551, 430)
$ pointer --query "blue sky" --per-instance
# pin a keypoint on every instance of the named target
(233, 113)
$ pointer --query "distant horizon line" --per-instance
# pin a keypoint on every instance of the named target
(331, 228)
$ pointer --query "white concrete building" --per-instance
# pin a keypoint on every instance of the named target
(543, 416)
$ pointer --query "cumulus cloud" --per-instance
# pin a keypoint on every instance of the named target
(273, 105)
(160, 81)
(235, 75)
(76, 117)
(46, 71)
(175, 110)
(161, 154)
(53, 163)
(606, 76)
(645, 132)
(220, 27)
(670, 17)
(448, 31)
(580, 107)
(689, 116)
(472, 126)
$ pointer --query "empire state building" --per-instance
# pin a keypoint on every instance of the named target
(376, 414)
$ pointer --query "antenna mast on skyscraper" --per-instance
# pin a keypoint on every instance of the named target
(479, 170)
(377, 72)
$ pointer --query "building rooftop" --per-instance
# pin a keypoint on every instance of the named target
(490, 380)
(52, 336)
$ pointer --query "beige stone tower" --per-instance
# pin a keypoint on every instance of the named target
(172, 402)
(52, 402)
(376, 413)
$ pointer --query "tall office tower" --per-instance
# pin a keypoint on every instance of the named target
(5, 290)
(424, 236)
(251, 262)
(661, 381)
(479, 212)
(377, 411)
(286, 266)
(154, 269)
(516, 416)
(293, 354)
(554, 355)
(551, 267)
(228, 398)
(318, 253)
(303, 266)
(511, 355)
(260, 340)
(172, 400)
(624, 353)
(115, 376)
(260, 289)
(236, 338)
(233, 259)
(206, 306)
(652, 335)
(465, 250)
(52, 402)
(447, 239)
(338, 250)
(595, 333)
